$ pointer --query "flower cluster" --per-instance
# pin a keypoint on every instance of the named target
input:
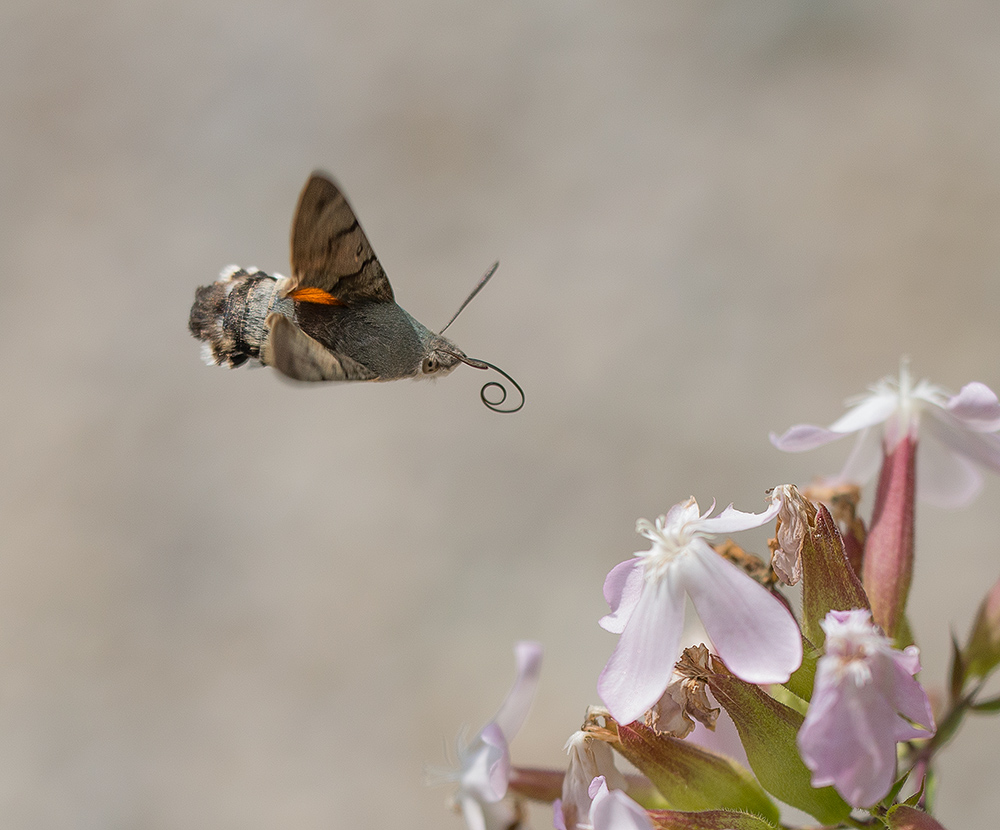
(825, 707)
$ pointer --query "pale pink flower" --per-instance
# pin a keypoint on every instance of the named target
(613, 810)
(608, 810)
(589, 759)
(958, 430)
(864, 701)
(751, 630)
(484, 762)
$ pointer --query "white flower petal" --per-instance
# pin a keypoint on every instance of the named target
(977, 407)
(911, 700)
(846, 739)
(558, 818)
(473, 812)
(752, 631)
(983, 448)
(589, 759)
(498, 754)
(643, 660)
(613, 810)
(485, 765)
(732, 520)
(873, 409)
(515, 707)
(964, 423)
(863, 688)
(622, 589)
(944, 478)
(864, 460)
(485, 762)
(802, 437)
(683, 513)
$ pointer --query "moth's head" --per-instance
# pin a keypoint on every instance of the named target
(440, 357)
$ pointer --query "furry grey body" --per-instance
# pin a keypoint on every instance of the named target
(230, 317)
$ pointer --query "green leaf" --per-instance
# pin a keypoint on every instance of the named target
(983, 706)
(957, 669)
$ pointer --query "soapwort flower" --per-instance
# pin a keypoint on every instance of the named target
(484, 762)
(590, 760)
(957, 437)
(750, 628)
(865, 700)
(959, 428)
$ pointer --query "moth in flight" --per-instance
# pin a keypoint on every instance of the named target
(336, 317)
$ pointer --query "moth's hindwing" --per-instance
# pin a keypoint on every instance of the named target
(295, 354)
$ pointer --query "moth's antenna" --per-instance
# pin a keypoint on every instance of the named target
(482, 364)
(476, 290)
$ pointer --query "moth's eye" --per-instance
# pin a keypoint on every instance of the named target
(430, 365)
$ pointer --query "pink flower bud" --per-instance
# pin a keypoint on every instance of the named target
(888, 560)
(903, 817)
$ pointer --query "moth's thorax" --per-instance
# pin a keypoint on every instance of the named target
(380, 336)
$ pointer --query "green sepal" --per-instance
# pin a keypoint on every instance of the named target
(768, 730)
(829, 583)
(895, 789)
(958, 670)
(690, 777)
(801, 682)
(981, 654)
(708, 820)
(782, 695)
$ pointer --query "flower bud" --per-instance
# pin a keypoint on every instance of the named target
(808, 543)
(590, 757)
(888, 561)
(982, 653)
(902, 817)
(768, 730)
(842, 501)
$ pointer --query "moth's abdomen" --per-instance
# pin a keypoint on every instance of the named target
(229, 315)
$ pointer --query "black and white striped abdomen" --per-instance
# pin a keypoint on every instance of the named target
(229, 315)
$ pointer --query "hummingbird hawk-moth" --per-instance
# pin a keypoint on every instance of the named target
(336, 317)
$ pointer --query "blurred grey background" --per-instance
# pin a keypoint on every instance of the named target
(228, 602)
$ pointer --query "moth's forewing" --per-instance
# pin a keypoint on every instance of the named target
(330, 250)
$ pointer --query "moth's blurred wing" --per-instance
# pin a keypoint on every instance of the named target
(294, 353)
(330, 251)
